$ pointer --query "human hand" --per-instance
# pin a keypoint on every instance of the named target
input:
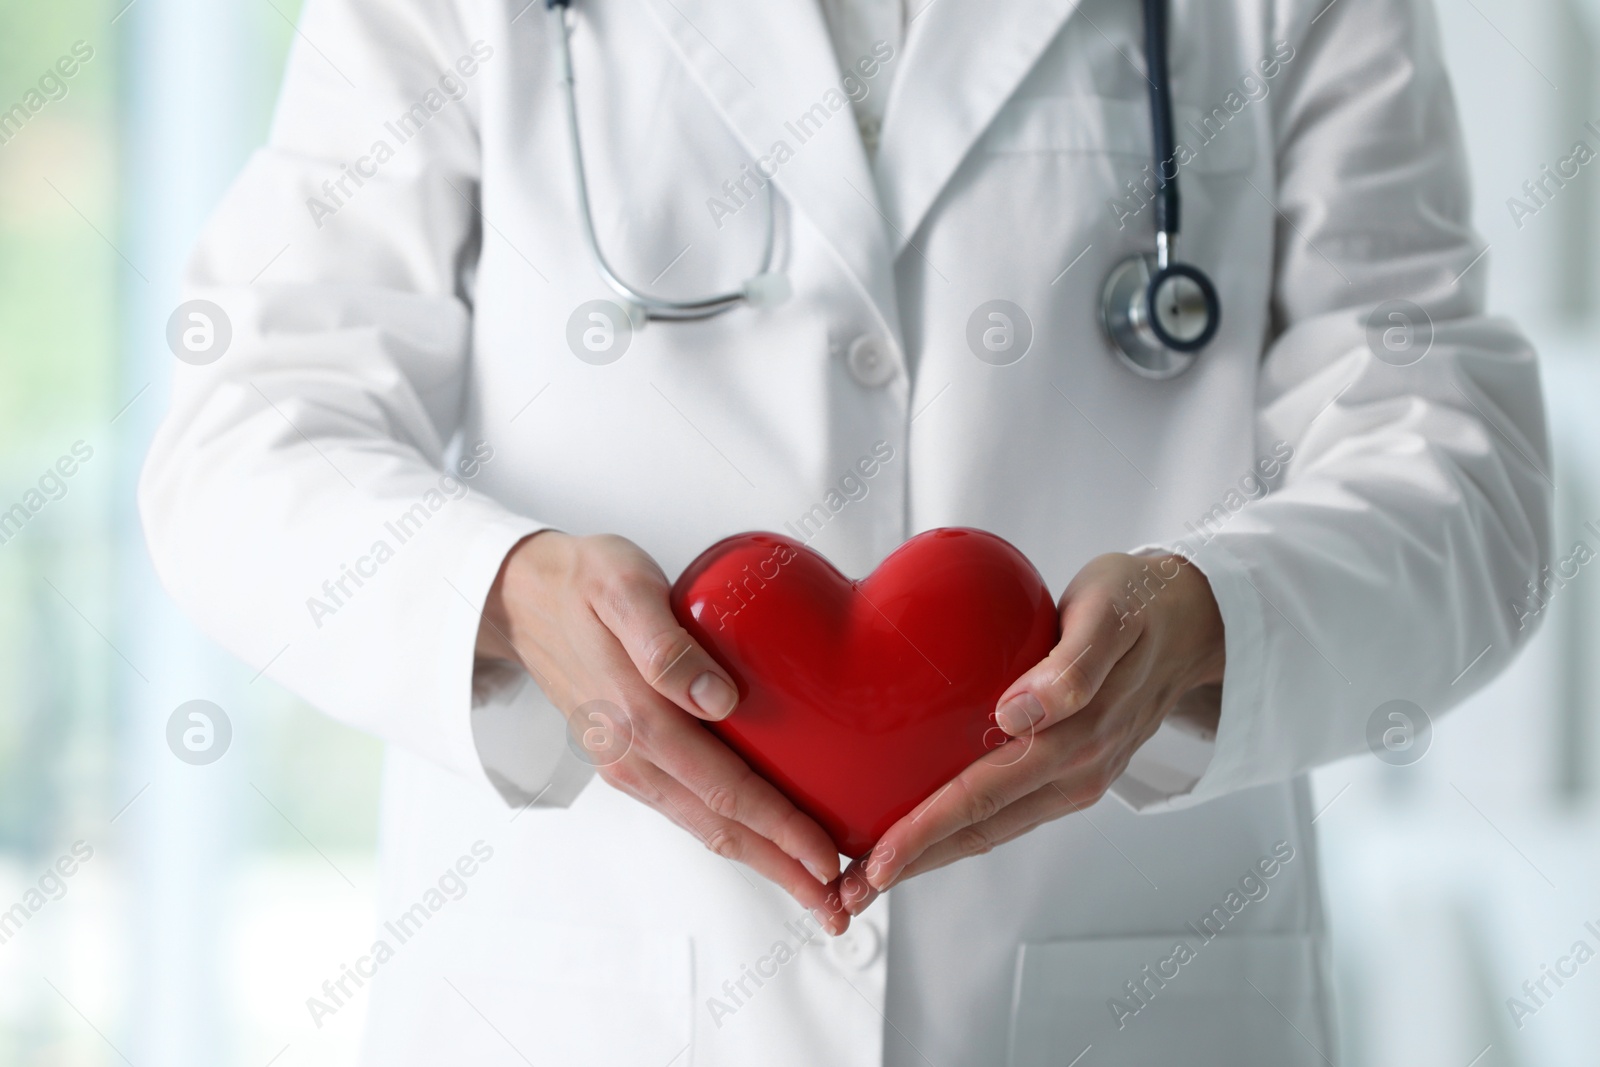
(588, 618)
(1136, 635)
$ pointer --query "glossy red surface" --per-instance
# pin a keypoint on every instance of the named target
(860, 698)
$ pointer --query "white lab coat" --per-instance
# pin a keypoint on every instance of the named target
(425, 321)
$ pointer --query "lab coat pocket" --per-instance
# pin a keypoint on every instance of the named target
(1147, 1001)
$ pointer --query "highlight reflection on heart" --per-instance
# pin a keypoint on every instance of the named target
(860, 698)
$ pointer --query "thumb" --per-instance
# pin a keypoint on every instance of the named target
(1095, 635)
(667, 658)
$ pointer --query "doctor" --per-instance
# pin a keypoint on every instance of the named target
(442, 476)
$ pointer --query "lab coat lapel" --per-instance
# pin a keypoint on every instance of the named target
(963, 60)
(768, 67)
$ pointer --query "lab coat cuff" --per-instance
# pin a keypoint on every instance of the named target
(1182, 765)
(522, 739)
(492, 722)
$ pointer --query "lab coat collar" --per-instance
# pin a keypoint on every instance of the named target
(766, 67)
(963, 60)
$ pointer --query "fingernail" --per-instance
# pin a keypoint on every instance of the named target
(1019, 714)
(713, 696)
(816, 871)
(862, 902)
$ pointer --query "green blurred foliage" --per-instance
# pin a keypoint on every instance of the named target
(57, 276)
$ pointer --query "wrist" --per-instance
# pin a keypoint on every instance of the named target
(1200, 632)
(497, 626)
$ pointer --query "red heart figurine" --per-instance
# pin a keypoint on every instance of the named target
(858, 699)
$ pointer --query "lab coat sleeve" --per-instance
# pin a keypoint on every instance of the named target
(1393, 560)
(303, 500)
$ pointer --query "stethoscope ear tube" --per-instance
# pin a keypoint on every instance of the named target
(1157, 313)
(762, 289)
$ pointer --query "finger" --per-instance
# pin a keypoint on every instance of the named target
(856, 891)
(981, 791)
(725, 784)
(1095, 635)
(736, 843)
(668, 659)
(1038, 807)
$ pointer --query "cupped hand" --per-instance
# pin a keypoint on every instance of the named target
(588, 618)
(1137, 633)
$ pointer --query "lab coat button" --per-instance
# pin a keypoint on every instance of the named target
(858, 947)
(869, 361)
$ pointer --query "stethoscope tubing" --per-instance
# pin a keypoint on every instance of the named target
(1163, 140)
(653, 307)
(1135, 330)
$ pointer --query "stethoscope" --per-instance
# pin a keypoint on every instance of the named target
(763, 288)
(1158, 313)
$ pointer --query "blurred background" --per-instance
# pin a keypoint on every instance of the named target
(179, 914)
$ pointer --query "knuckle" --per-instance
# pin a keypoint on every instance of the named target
(1069, 681)
(973, 841)
(621, 587)
(792, 825)
(1091, 787)
(1091, 752)
(592, 559)
(725, 841)
(723, 800)
(982, 805)
(1108, 738)
(1088, 755)
(617, 589)
(607, 543)
(663, 651)
(1081, 794)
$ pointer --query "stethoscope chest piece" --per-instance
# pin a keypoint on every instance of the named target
(1158, 318)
